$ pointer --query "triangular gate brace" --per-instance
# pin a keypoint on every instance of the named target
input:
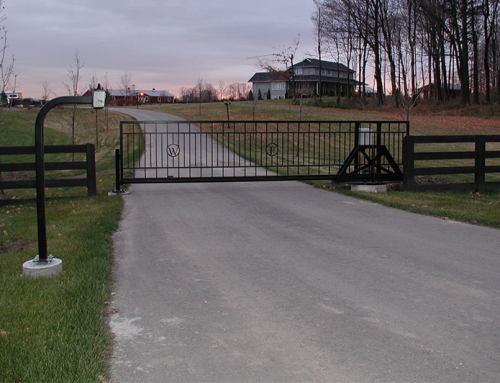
(376, 171)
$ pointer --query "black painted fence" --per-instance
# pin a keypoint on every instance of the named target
(12, 167)
(451, 162)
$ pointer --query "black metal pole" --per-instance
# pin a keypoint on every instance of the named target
(117, 171)
(40, 167)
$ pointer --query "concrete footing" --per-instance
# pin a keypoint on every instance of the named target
(37, 269)
(370, 188)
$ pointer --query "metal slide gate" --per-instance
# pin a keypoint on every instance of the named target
(214, 151)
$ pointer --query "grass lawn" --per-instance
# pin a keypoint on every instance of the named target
(55, 329)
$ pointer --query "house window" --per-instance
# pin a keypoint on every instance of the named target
(278, 86)
(298, 70)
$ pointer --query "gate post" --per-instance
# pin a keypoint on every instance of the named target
(43, 264)
(118, 179)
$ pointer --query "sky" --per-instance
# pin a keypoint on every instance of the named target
(162, 44)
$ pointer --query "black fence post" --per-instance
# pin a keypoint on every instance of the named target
(357, 130)
(378, 165)
(408, 163)
(91, 170)
(117, 171)
(480, 164)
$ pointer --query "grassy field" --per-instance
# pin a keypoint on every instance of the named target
(55, 329)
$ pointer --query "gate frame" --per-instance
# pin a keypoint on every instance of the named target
(371, 173)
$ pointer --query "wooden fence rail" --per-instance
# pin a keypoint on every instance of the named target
(88, 181)
(471, 161)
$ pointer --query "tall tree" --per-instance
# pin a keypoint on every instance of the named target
(489, 10)
(444, 42)
(317, 19)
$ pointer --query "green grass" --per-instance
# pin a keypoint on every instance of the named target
(268, 110)
(464, 206)
(55, 329)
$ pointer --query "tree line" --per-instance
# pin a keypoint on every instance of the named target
(409, 44)
(206, 92)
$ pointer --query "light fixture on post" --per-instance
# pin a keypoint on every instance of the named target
(99, 97)
(45, 264)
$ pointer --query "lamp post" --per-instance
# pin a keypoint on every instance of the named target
(227, 103)
(45, 264)
(139, 97)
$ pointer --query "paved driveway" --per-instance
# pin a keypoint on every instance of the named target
(281, 282)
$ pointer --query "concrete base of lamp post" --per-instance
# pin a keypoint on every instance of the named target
(37, 269)
(370, 188)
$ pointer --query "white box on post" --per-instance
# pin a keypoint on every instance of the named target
(99, 98)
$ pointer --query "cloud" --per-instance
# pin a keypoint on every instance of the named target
(163, 43)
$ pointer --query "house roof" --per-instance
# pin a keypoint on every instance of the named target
(148, 92)
(314, 63)
(267, 77)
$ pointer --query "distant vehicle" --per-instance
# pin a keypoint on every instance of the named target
(14, 95)
(25, 102)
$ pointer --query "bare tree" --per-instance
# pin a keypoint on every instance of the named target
(46, 91)
(74, 75)
(490, 14)
(317, 19)
(199, 89)
(253, 102)
(6, 71)
(93, 82)
(209, 93)
(6, 68)
(106, 108)
(408, 102)
(281, 63)
(93, 85)
(222, 90)
(125, 81)
(232, 91)
(440, 41)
